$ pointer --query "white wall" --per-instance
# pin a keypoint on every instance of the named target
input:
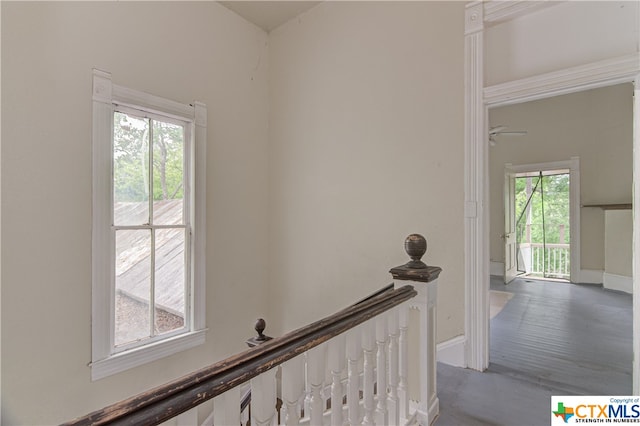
(366, 134)
(618, 248)
(561, 36)
(595, 125)
(618, 242)
(182, 51)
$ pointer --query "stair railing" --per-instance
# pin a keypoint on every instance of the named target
(357, 366)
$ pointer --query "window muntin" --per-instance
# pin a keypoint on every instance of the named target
(150, 227)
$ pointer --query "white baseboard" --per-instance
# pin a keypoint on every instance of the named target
(496, 268)
(587, 276)
(451, 352)
(617, 282)
(590, 276)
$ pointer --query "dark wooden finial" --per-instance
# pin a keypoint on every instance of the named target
(416, 246)
(260, 326)
(416, 270)
(261, 338)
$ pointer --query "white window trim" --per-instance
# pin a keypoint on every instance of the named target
(105, 95)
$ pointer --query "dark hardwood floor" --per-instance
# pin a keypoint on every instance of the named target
(551, 338)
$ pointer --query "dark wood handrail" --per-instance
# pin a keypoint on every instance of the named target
(383, 290)
(245, 400)
(169, 400)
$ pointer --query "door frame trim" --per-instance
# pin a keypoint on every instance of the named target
(476, 159)
(573, 165)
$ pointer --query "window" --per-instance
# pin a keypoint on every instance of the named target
(148, 227)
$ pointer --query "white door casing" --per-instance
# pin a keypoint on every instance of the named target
(636, 235)
(477, 101)
(509, 236)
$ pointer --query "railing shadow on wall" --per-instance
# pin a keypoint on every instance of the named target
(357, 366)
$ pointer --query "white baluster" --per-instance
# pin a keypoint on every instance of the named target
(263, 398)
(226, 408)
(381, 342)
(244, 417)
(367, 381)
(403, 360)
(316, 361)
(336, 357)
(354, 348)
(394, 414)
(306, 402)
(292, 389)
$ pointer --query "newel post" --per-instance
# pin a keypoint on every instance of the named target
(424, 280)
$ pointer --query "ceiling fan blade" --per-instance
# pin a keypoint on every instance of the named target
(497, 129)
(514, 133)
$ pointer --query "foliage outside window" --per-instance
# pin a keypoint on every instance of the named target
(556, 208)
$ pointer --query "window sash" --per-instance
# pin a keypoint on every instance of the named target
(154, 336)
(151, 117)
(187, 126)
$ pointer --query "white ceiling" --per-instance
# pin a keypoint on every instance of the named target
(269, 14)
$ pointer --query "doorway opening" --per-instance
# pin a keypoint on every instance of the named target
(543, 224)
(542, 220)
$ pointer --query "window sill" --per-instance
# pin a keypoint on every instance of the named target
(145, 354)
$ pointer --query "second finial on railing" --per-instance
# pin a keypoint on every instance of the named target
(261, 324)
